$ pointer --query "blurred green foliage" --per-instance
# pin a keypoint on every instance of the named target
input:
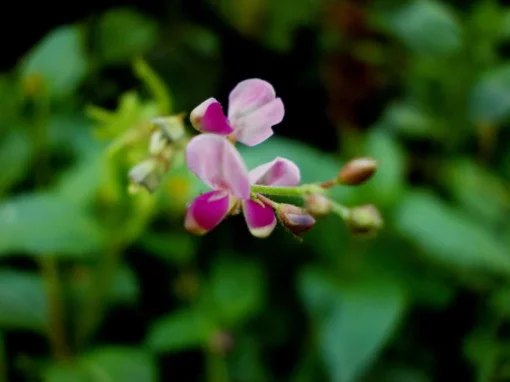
(333, 308)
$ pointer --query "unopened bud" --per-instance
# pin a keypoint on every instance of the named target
(318, 205)
(296, 219)
(357, 171)
(148, 173)
(158, 143)
(364, 219)
(171, 127)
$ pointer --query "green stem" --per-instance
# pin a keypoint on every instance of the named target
(56, 329)
(287, 191)
(48, 265)
(41, 116)
(341, 210)
(95, 303)
(96, 300)
(216, 368)
(3, 359)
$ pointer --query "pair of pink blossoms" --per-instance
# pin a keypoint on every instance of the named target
(253, 110)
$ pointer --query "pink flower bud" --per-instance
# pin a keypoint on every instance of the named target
(296, 219)
(318, 205)
(357, 171)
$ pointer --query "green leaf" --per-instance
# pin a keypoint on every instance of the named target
(178, 248)
(286, 16)
(425, 26)
(505, 23)
(448, 236)
(115, 363)
(125, 286)
(477, 189)
(71, 131)
(15, 154)
(408, 119)
(44, 224)
(155, 84)
(181, 330)
(489, 100)
(247, 359)
(124, 34)
(67, 372)
(59, 59)
(483, 350)
(22, 301)
(10, 100)
(355, 319)
(108, 364)
(388, 183)
(237, 290)
(80, 184)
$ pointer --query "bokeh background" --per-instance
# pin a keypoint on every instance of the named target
(100, 285)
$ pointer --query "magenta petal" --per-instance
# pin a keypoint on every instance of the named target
(259, 218)
(206, 212)
(214, 121)
(279, 172)
(255, 127)
(208, 117)
(218, 164)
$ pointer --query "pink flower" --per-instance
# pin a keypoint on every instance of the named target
(220, 166)
(253, 111)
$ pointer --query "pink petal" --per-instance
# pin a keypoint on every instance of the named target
(279, 172)
(255, 127)
(218, 164)
(260, 219)
(249, 95)
(208, 117)
(207, 211)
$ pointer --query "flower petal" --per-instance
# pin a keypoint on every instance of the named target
(259, 218)
(279, 172)
(249, 95)
(207, 211)
(255, 127)
(218, 164)
(208, 117)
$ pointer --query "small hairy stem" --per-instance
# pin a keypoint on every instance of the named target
(339, 209)
(287, 191)
(56, 329)
(268, 201)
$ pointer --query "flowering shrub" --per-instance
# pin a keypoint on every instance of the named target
(212, 157)
(131, 219)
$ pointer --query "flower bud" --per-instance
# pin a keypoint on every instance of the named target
(148, 173)
(364, 219)
(296, 219)
(198, 113)
(357, 171)
(158, 143)
(172, 128)
(318, 205)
